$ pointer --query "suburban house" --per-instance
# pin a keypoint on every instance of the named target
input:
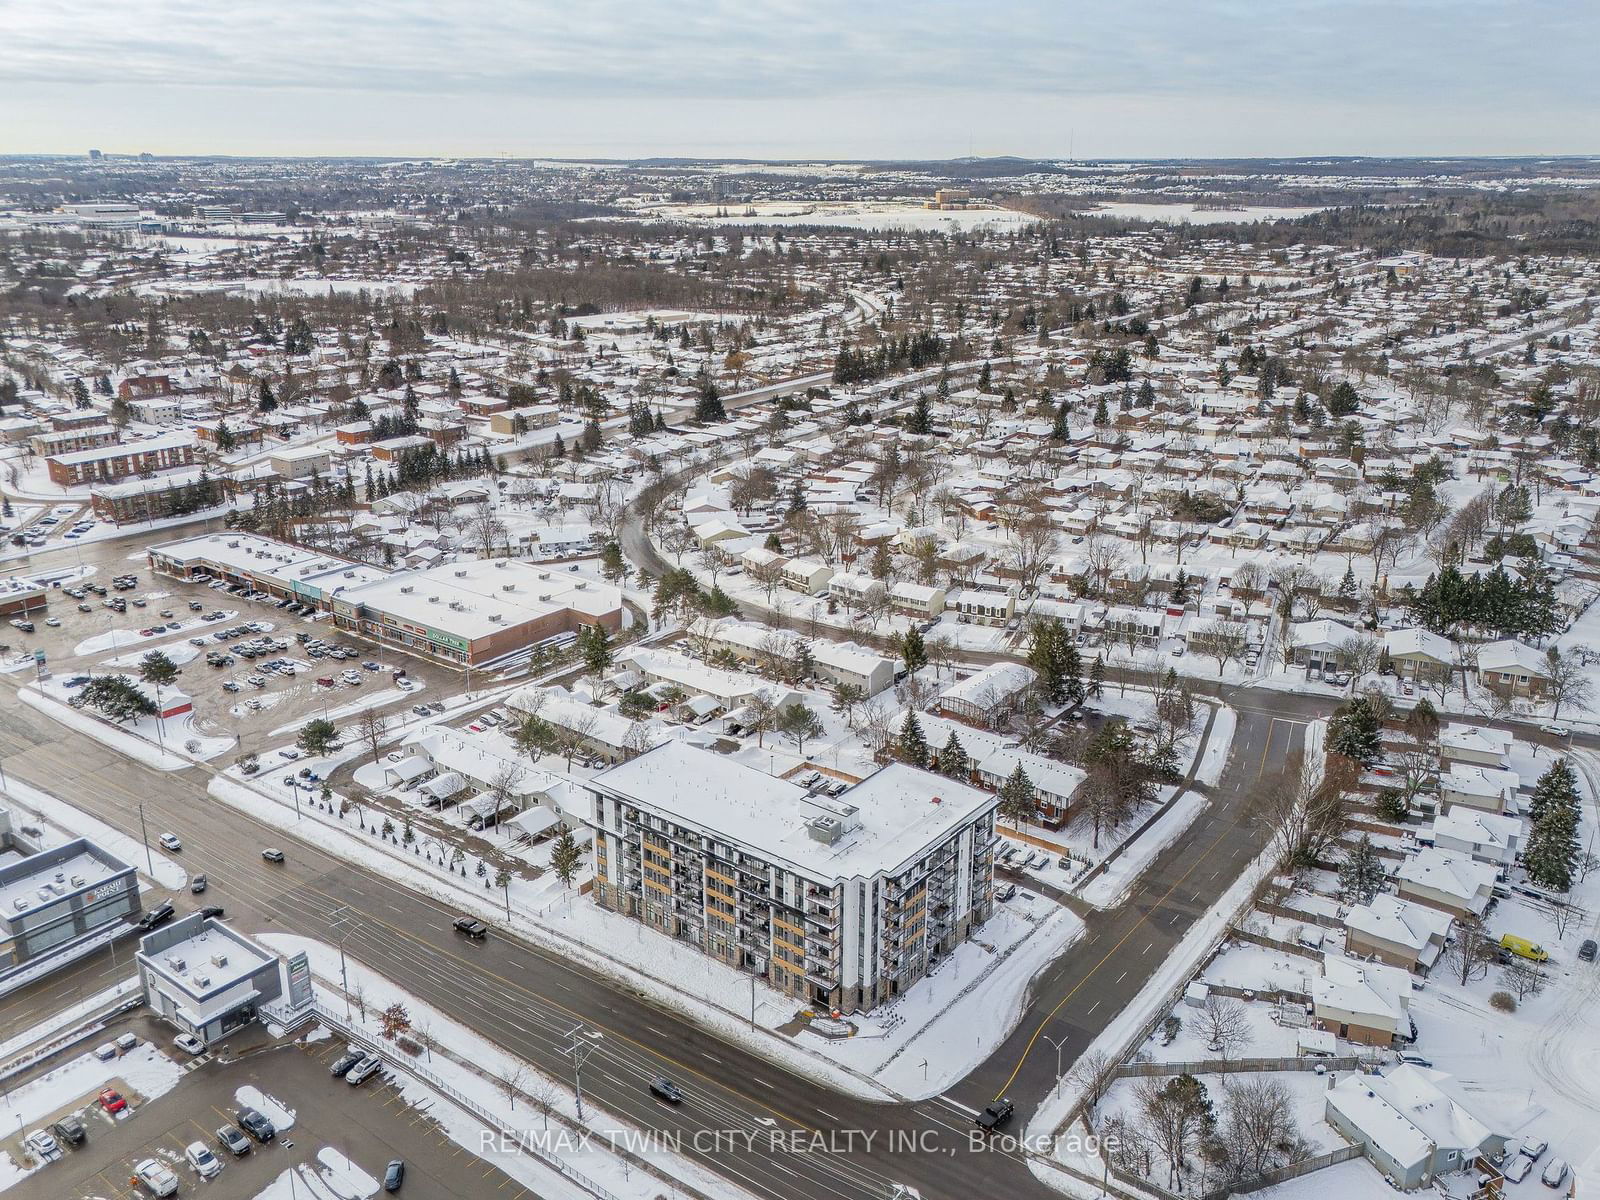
(976, 607)
(1418, 654)
(1476, 745)
(1054, 782)
(1513, 668)
(1487, 789)
(1397, 932)
(1409, 1125)
(1487, 837)
(1446, 880)
(1366, 1002)
(1322, 645)
(916, 600)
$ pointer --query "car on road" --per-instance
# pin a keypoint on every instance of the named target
(156, 1178)
(159, 915)
(473, 929)
(394, 1175)
(1555, 730)
(234, 1142)
(206, 1164)
(664, 1089)
(198, 884)
(341, 1065)
(189, 1044)
(363, 1070)
(995, 1114)
(272, 854)
(255, 1123)
(169, 841)
(42, 1145)
(111, 1100)
(70, 1130)
(211, 910)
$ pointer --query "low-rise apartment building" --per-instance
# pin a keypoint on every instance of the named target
(840, 902)
(107, 463)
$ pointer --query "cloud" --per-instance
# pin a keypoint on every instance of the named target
(1464, 61)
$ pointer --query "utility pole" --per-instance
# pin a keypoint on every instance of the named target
(149, 859)
(580, 1050)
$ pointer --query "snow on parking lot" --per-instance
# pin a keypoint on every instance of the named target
(280, 1114)
(141, 1074)
(119, 640)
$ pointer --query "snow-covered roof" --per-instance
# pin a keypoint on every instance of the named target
(997, 681)
(1418, 641)
(889, 819)
(1447, 873)
(1398, 921)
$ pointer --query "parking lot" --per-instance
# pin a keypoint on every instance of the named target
(369, 1124)
(251, 667)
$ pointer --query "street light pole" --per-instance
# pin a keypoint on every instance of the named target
(1058, 1044)
(580, 1051)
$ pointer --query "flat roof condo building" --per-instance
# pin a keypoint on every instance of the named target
(842, 902)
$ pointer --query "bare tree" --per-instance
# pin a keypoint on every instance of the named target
(370, 728)
(485, 530)
(1225, 1024)
(1468, 956)
(1307, 807)
(1522, 978)
(511, 1081)
(573, 734)
(1568, 682)
(1259, 1131)
(1224, 641)
(1360, 653)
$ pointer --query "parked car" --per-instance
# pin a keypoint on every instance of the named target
(1533, 1148)
(1554, 1173)
(1516, 1168)
(234, 1142)
(1524, 948)
(665, 1089)
(994, 1115)
(363, 1070)
(211, 910)
(1006, 892)
(156, 1177)
(256, 1124)
(1586, 951)
(42, 1145)
(341, 1065)
(70, 1130)
(394, 1175)
(206, 1164)
(189, 1044)
(111, 1100)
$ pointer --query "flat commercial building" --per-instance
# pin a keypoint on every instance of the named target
(477, 612)
(205, 978)
(19, 597)
(472, 612)
(58, 904)
(841, 902)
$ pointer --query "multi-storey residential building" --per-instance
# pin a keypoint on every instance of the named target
(106, 463)
(841, 902)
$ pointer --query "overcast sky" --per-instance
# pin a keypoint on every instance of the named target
(801, 78)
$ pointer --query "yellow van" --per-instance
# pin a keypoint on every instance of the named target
(1523, 948)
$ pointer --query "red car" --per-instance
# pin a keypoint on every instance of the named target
(111, 1100)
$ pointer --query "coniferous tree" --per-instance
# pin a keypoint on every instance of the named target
(1019, 802)
(953, 759)
(1361, 875)
(912, 745)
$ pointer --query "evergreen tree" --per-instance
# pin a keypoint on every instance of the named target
(1102, 416)
(985, 378)
(914, 650)
(1353, 731)
(1349, 589)
(1097, 677)
(1361, 875)
(1558, 785)
(1061, 431)
(1551, 856)
(265, 400)
(921, 420)
(912, 745)
(1019, 802)
(953, 759)
(566, 858)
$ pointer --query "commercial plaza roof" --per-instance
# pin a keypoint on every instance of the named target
(888, 818)
(46, 877)
(476, 598)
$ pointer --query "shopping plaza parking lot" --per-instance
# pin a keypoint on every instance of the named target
(338, 1142)
(195, 625)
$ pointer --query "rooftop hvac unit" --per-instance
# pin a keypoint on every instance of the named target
(177, 963)
(581, 584)
(61, 876)
(20, 904)
(433, 599)
(461, 574)
(826, 830)
(508, 587)
(219, 960)
(200, 981)
(545, 598)
(78, 881)
(406, 589)
(234, 545)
